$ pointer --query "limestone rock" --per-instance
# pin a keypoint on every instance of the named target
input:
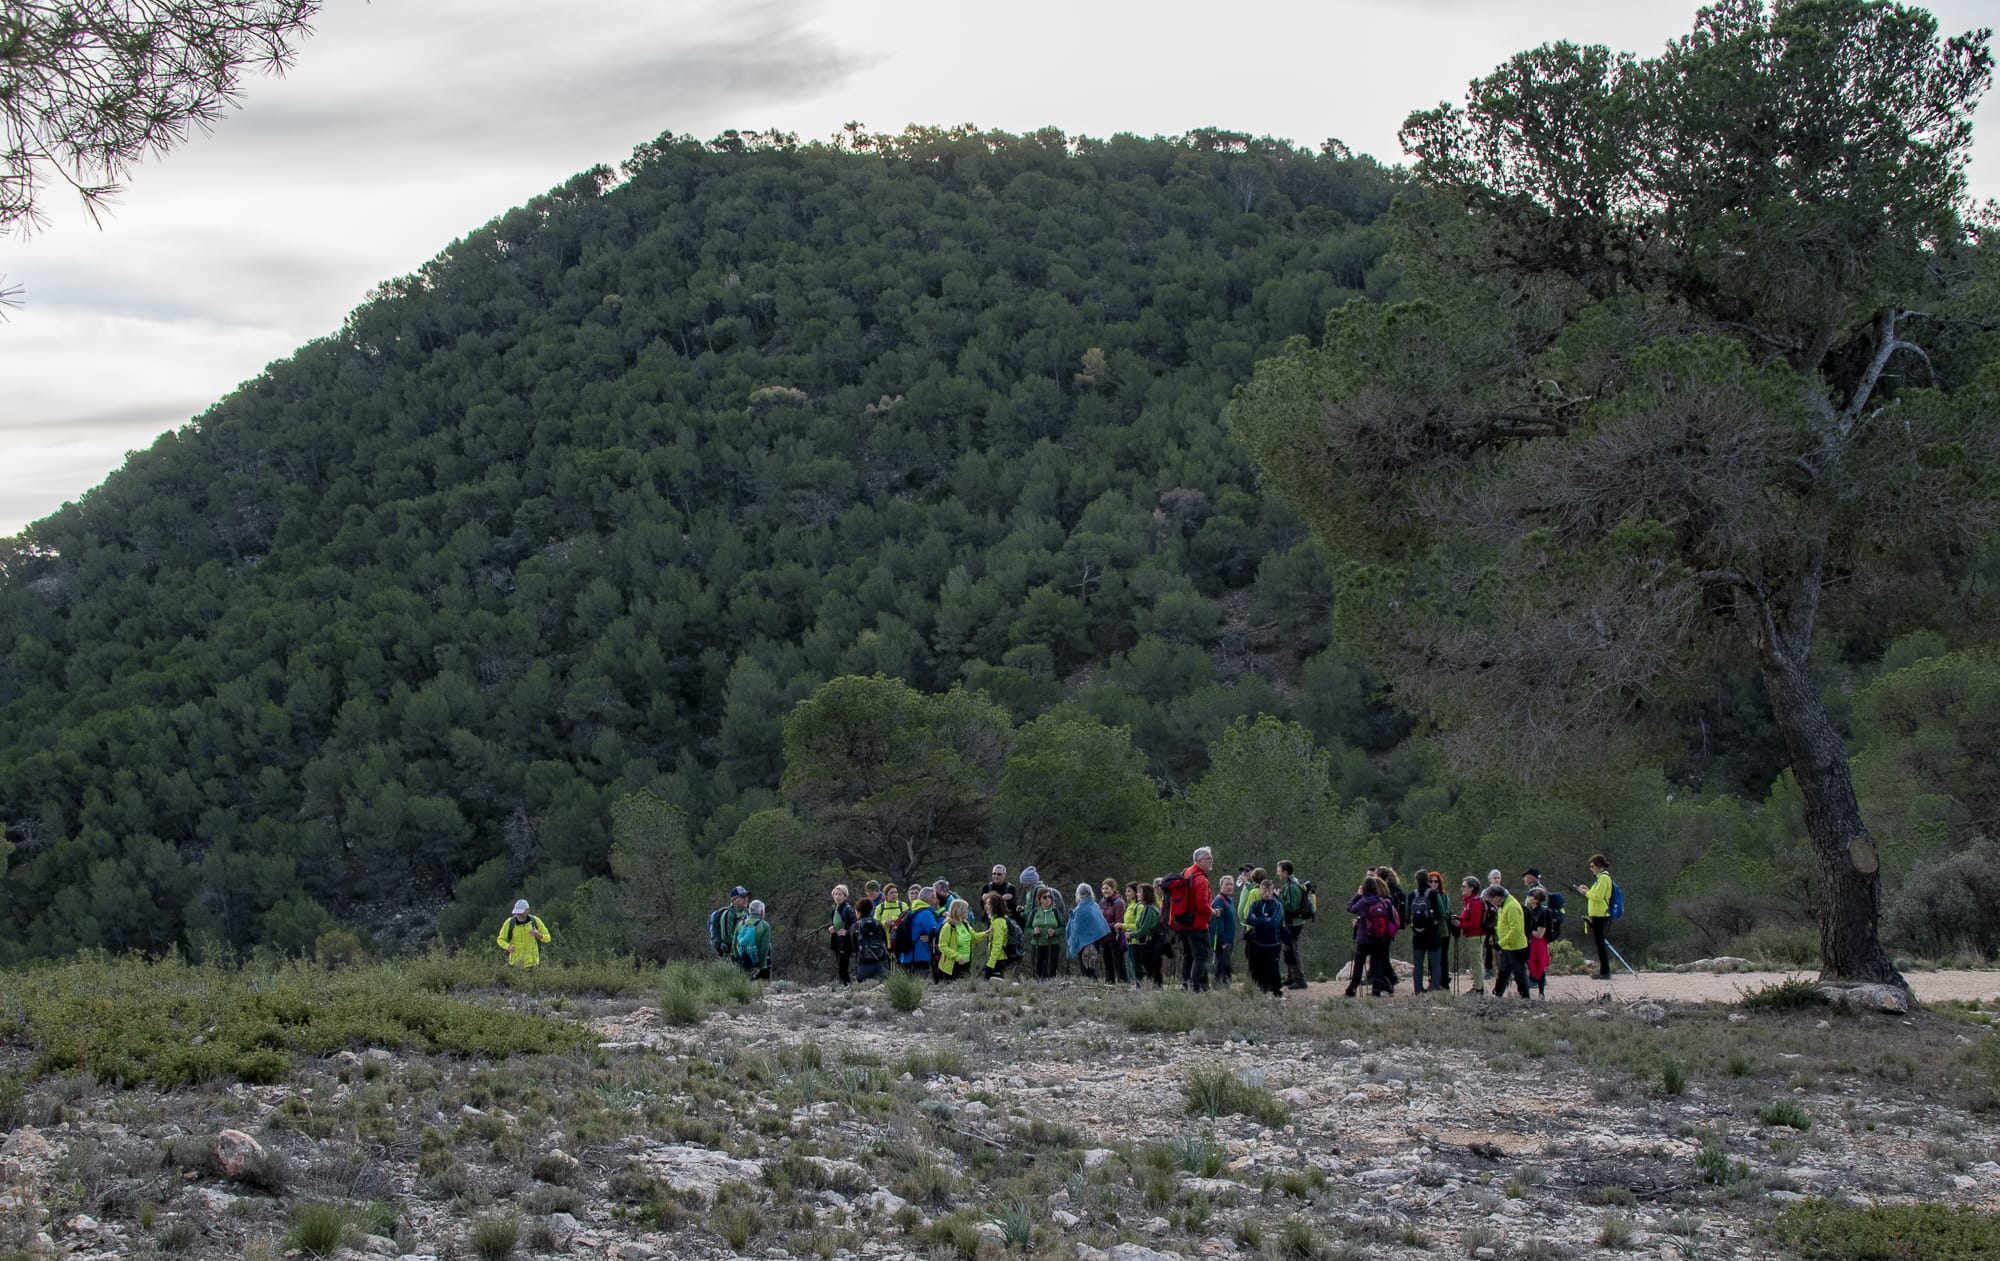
(697, 1169)
(236, 1151)
(1867, 997)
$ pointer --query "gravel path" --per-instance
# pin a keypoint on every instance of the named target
(1715, 987)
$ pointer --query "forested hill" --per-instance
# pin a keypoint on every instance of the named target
(588, 503)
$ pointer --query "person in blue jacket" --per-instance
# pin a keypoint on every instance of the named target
(923, 933)
(1222, 931)
(1264, 938)
(1087, 930)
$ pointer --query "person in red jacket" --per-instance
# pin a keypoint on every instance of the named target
(1472, 922)
(1187, 915)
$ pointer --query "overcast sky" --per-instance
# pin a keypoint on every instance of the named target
(408, 123)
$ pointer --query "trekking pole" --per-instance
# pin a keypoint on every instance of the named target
(1621, 958)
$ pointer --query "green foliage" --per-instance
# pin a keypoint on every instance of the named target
(318, 1228)
(1785, 1112)
(905, 990)
(1218, 1092)
(494, 1237)
(1787, 995)
(171, 1023)
(1825, 1231)
(1076, 793)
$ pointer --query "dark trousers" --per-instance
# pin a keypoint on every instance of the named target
(1194, 959)
(1263, 964)
(1114, 959)
(1225, 970)
(1371, 959)
(1599, 925)
(1427, 963)
(993, 972)
(1295, 973)
(1514, 964)
(1046, 959)
(1149, 957)
(841, 955)
(1492, 948)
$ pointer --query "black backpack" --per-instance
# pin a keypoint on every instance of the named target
(1423, 913)
(871, 944)
(1010, 950)
(715, 941)
(1556, 916)
(904, 939)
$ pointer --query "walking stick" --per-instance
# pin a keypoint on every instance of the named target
(1621, 958)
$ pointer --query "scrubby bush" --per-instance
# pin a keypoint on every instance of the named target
(1950, 906)
(904, 990)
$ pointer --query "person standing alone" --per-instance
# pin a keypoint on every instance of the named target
(522, 936)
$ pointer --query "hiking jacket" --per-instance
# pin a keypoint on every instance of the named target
(1293, 896)
(1511, 929)
(1600, 896)
(924, 926)
(1114, 915)
(1199, 899)
(1364, 907)
(1147, 924)
(954, 947)
(522, 942)
(995, 941)
(1131, 922)
(760, 933)
(1264, 925)
(887, 913)
(1222, 920)
(1246, 897)
(1471, 915)
(1045, 929)
(1433, 937)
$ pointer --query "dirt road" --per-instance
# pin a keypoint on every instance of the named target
(1712, 987)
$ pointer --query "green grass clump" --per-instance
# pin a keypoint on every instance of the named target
(495, 1238)
(1218, 1092)
(318, 1228)
(1824, 1231)
(131, 1021)
(1173, 1013)
(904, 990)
(1784, 1112)
(1785, 995)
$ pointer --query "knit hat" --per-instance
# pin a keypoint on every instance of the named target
(1030, 876)
(521, 907)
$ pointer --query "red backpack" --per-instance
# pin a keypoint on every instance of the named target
(1382, 920)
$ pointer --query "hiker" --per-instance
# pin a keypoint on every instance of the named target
(890, 908)
(1130, 925)
(1001, 939)
(1472, 919)
(1491, 948)
(1117, 949)
(1538, 917)
(1146, 939)
(1429, 914)
(723, 923)
(1009, 895)
(1531, 880)
(753, 943)
(1510, 936)
(1374, 928)
(1192, 910)
(1263, 939)
(1045, 932)
(942, 898)
(871, 944)
(1087, 931)
(1222, 931)
(1383, 961)
(840, 933)
(916, 933)
(954, 950)
(1248, 889)
(522, 936)
(1298, 909)
(1599, 911)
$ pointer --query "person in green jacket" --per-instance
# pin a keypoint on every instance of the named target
(954, 953)
(1249, 888)
(522, 936)
(1147, 939)
(1045, 932)
(994, 939)
(1510, 940)
(753, 943)
(1599, 911)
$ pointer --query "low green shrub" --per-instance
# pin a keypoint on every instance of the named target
(1794, 992)
(495, 1238)
(1784, 1112)
(318, 1228)
(1174, 1013)
(1824, 1231)
(904, 990)
(1218, 1092)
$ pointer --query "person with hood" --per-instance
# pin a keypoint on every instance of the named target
(753, 943)
(954, 949)
(1088, 931)
(923, 932)
(1510, 938)
(871, 944)
(1263, 939)
(1374, 928)
(1045, 932)
(522, 936)
(1222, 931)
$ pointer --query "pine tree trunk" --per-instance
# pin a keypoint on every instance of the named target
(1844, 855)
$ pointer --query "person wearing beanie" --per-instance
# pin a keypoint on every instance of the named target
(522, 936)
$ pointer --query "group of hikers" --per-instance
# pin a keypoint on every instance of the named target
(1124, 934)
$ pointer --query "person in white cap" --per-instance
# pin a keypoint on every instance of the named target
(522, 936)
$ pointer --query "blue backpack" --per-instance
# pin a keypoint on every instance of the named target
(1617, 902)
(746, 942)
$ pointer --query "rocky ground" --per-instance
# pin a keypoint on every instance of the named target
(1059, 1121)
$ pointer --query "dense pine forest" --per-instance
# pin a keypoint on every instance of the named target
(533, 576)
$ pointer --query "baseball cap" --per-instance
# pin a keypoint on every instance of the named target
(739, 892)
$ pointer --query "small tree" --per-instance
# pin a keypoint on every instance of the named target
(1657, 402)
(888, 779)
(1075, 795)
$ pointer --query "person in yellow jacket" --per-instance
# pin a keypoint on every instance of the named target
(998, 929)
(891, 907)
(1510, 940)
(1128, 926)
(522, 936)
(1599, 911)
(954, 956)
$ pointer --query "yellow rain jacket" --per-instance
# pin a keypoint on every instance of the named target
(522, 942)
(954, 947)
(1512, 932)
(887, 913)
(1600, 896)
(995, 941)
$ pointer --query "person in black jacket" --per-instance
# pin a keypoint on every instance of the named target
(840, 932)
(1264, 938)
(1429, 919)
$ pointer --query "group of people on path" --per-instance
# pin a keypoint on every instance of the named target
(1120, 933)
(1515, 934)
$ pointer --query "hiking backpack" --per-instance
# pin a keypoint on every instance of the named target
(1176, 890)
(746, 943)
(1617, 902)
(715, 941)
(903, 937)
(872, 944)
(1309, 902)
(1010, 950)
(1382, 920)
(1423, 913)
(1556, 916)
